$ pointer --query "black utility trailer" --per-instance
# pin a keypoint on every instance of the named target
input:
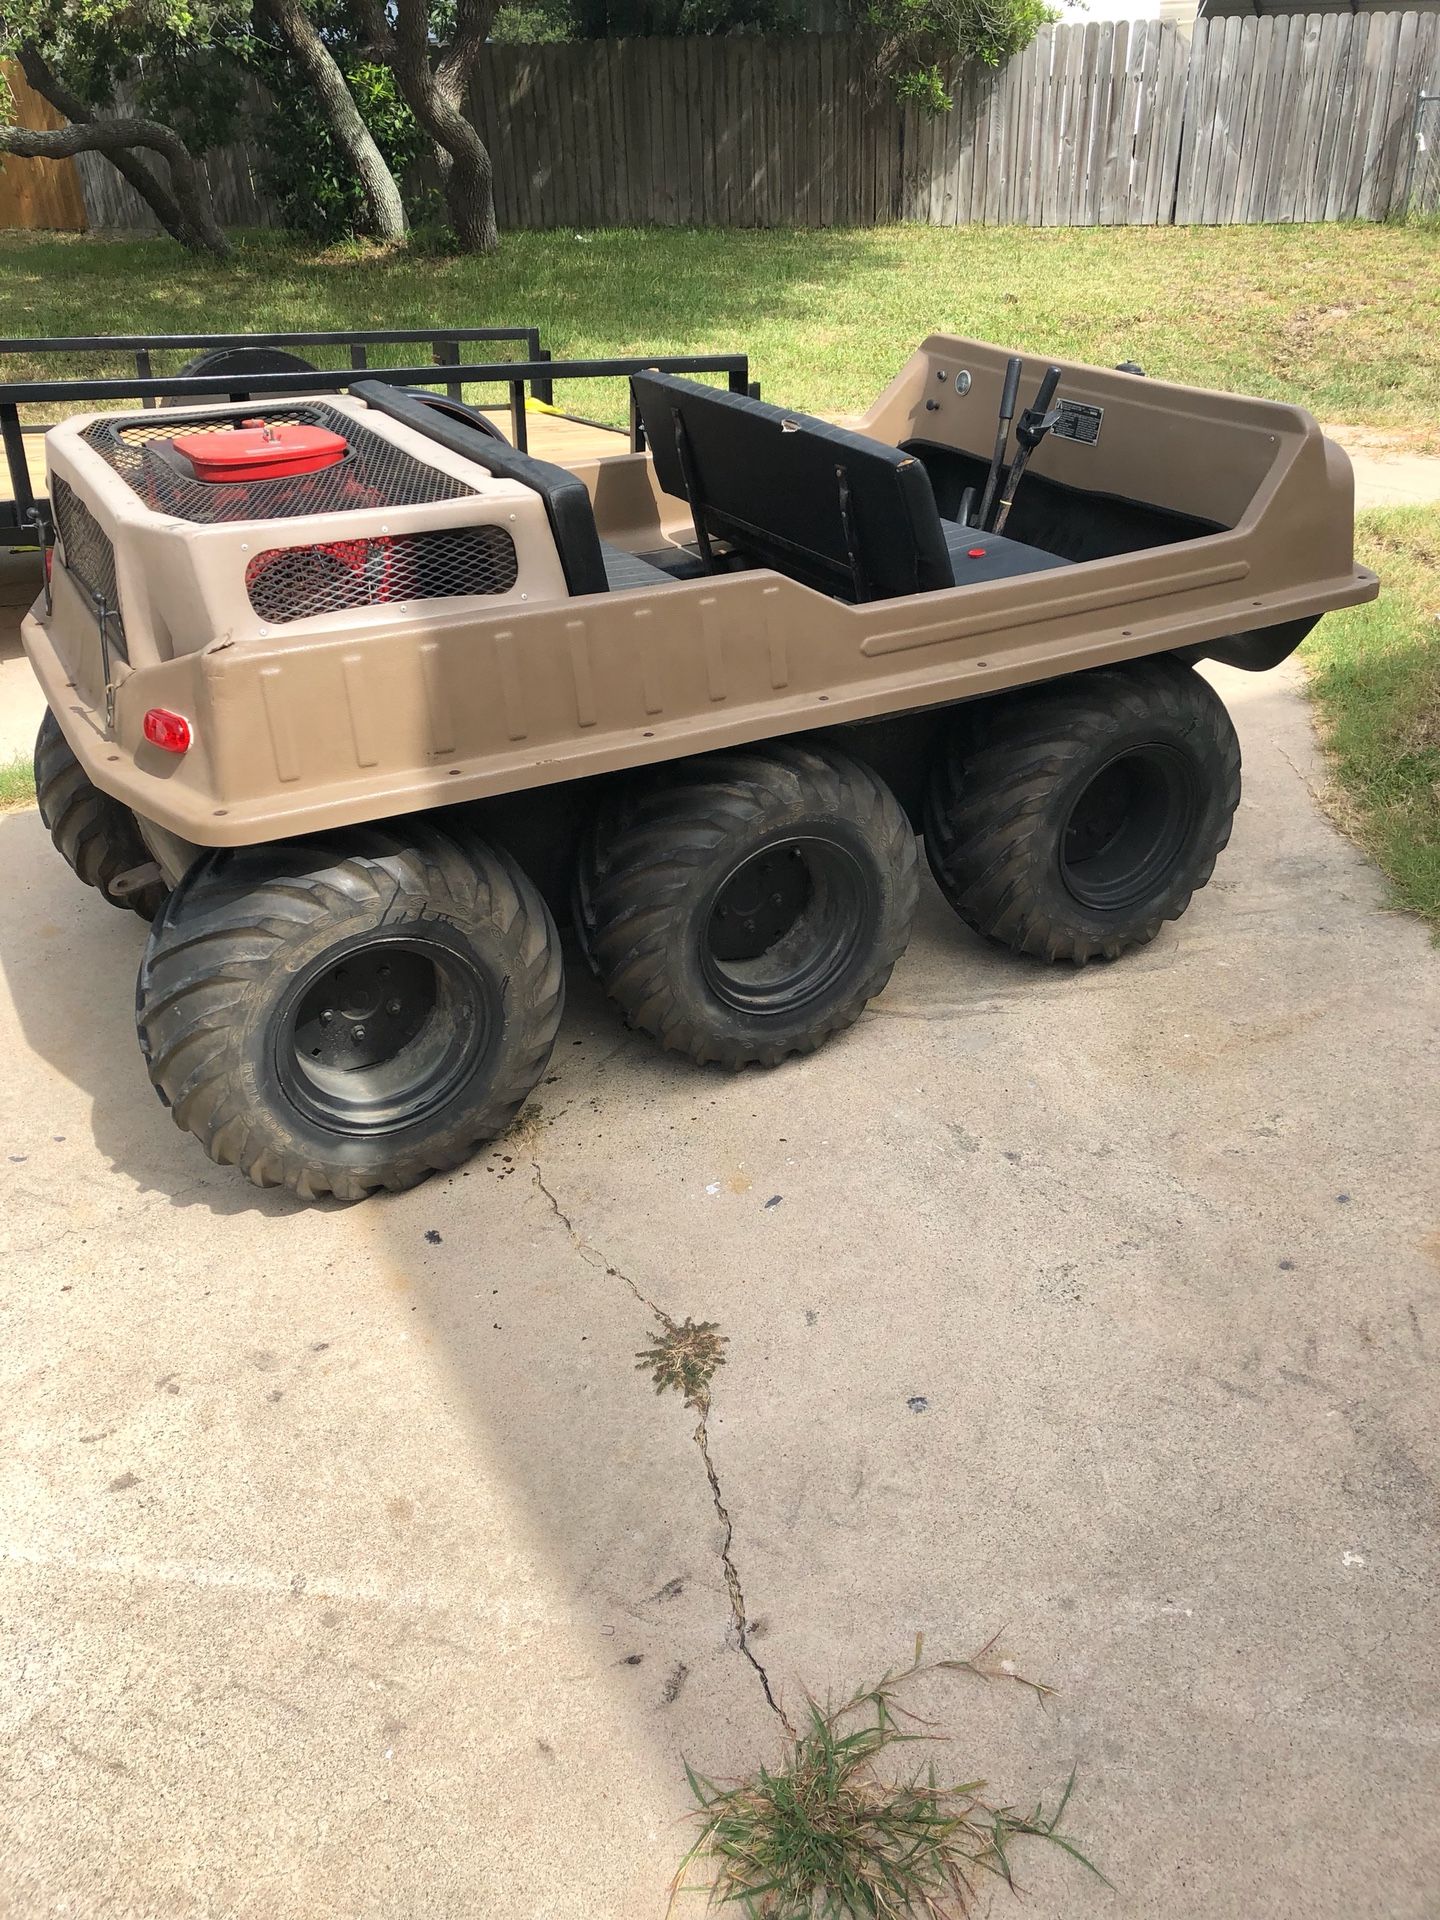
(239, 366)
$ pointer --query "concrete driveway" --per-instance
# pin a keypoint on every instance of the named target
(351, 1568)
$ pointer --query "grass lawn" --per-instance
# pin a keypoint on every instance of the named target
(17, 783)
(1342, 319)
(1375, 678)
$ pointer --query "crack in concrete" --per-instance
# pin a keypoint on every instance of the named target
(732, 1577)
(700, 1401)
(593, 1257)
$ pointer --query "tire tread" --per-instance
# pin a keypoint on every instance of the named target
(991, 782)
(226, 924)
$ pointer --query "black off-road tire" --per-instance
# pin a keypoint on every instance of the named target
(353, 1011)
(237, 360)
(745, 906)
(1072, 820)
(96, 835)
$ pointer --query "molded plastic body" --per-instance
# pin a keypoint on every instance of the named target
(401, 705)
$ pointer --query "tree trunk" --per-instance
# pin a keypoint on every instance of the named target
(435, 92)
(470, 192)
(183, 208)
(352, 136)
(466, 168)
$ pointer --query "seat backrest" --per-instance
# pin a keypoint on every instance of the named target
(567, 500)
(813, 500)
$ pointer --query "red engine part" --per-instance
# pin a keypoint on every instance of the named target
(296, 583)
(257, 451)
(171, 481)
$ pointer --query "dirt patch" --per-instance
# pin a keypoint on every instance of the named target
(1382, 441)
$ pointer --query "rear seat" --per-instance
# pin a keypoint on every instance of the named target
(590, 564)
(844, 513)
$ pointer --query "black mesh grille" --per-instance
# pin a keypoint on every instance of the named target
(89, 556)
(376, 473)
(296, 583)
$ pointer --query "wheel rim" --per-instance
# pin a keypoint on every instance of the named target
(1128, 828)
(784, 925)
(382, 1032)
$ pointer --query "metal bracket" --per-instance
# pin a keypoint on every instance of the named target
(104, 614)
(692, 491)
(134, 880)
(852, 537)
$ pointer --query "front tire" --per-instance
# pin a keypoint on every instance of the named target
(745, 906)
(95, 835)
(353, 1011)
(1075, 818)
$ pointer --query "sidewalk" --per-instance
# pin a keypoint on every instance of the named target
(1385, 477)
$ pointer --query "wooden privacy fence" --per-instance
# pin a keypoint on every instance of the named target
(35, 193)
(1276, 118)
(233, 172)
(1283, 117)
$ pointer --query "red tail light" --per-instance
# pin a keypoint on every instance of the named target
(169, 731)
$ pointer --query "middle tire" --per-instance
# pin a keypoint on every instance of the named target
(746, 906)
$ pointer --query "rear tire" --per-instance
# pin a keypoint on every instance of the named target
(353, 1011)
(746, 906)
(1074, 819)
(97, 837)
(237, 360)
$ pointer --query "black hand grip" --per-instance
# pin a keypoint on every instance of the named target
(1011, 393)
(1047, 390)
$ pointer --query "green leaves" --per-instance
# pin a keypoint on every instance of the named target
(922, 43)
(835, 1831)
(319, 192)
(181, 49)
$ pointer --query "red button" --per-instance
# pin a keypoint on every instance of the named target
(976, 553)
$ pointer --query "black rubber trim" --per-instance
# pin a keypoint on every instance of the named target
(1256, 651)
(567, 500)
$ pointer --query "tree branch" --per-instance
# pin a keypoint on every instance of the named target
(375, 26)
(114, 137)
(436, 95)
(96, 136)
(141, 176)
(473, 21)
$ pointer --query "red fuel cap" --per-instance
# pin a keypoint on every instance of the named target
(258, 452)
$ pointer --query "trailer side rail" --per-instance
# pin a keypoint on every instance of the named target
(25, 518)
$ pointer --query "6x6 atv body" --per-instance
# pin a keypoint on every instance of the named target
(356, 736)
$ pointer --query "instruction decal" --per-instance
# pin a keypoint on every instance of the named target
(1078, 422)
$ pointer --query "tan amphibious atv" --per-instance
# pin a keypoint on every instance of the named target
(351, 697)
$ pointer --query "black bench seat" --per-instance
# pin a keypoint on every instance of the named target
(976, 556)
(853, 516)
